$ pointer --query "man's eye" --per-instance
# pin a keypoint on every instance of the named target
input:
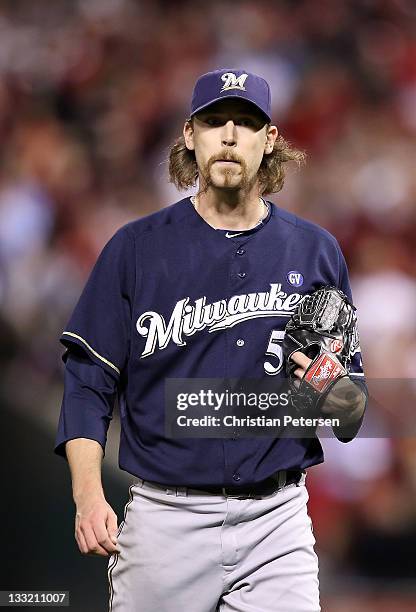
(213, 121)
(245, 122)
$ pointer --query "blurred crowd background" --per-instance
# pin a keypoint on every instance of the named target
(92, 95)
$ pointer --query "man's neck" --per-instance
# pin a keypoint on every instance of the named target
(233, 210)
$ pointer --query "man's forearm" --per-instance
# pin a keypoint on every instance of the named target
(95, 520)
(347, 402)
(85, 459)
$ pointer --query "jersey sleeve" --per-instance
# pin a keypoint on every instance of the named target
(101, 321)
(87, 404)
(355, 367)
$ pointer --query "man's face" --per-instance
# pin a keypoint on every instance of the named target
(229, 138)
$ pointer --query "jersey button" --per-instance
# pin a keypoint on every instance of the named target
(242, 274)
(236, 477)
(241, 251)
(240, 342)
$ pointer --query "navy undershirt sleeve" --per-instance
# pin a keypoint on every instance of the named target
(88, 401)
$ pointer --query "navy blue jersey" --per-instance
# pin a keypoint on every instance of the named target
(172, 297)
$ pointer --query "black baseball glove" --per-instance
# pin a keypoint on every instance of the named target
(324, 328)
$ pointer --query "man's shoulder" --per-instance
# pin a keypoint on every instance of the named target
(170, 215)
(304, 227)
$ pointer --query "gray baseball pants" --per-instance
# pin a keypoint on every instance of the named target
(187, 551)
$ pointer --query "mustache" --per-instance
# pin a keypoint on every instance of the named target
(225, 156)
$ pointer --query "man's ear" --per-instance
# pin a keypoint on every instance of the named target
(271, 136)
(188, 134)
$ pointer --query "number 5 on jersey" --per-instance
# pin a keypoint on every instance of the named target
(274, 348)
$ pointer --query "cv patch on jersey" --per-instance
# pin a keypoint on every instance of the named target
(295, 278)
(231, 81)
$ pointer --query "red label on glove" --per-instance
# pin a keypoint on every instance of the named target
(323, 372)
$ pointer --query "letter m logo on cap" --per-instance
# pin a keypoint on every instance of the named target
(231, 81)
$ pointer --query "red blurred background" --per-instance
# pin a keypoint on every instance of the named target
(92, 94)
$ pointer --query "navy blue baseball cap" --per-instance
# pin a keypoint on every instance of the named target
(231, 83)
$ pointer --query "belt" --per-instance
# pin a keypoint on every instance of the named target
(270, 485)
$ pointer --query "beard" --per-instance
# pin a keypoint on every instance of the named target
(243, 182)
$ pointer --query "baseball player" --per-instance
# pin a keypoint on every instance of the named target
(203, 289)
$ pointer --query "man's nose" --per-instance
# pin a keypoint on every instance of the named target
(229, 135)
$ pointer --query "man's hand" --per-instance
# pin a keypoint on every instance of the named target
(95, 526)
(303, 362)
(345, 401)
